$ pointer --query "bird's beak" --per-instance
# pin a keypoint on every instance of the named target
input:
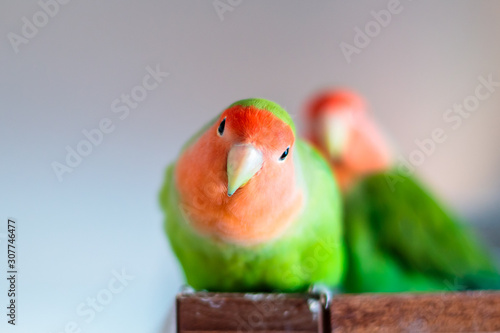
(334, 131)
(243, 162)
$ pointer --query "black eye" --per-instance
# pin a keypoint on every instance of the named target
(222, 125)
(285, 154)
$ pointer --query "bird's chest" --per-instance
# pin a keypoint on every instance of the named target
(239, 220)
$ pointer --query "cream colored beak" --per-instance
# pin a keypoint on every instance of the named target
(335, 129)
(243, 162)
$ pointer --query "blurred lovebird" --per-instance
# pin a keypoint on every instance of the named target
(398, 236)
(249, 207)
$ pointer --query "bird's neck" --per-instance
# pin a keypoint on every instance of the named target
(348, 176)
(345, 177)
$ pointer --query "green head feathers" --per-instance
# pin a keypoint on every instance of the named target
(264, 104)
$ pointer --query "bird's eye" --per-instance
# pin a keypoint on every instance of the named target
(285, 154)
(222, 125)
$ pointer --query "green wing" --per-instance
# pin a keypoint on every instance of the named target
(371, 267)
(400, 238)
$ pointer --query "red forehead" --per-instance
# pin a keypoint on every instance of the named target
(250, 124)
(337, 99)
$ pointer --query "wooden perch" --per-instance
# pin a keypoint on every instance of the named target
(441, 312)
(203, 312)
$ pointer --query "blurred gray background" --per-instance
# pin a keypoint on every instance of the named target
(65, 76)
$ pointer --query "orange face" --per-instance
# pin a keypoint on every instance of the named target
(332, 118)
(237, 181)
(340, 127)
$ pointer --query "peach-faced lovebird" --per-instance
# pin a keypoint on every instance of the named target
(249, 207)
(398, 236)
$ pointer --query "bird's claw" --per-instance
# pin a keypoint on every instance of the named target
(325, 293)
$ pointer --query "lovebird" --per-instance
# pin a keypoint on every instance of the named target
(249, 207)
(398, 236)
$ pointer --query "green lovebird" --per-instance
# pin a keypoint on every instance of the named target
(398, 236)
(249, 207)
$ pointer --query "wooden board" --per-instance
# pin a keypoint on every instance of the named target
(442, 312)
(225, 312)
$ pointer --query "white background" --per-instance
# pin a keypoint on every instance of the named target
(105, 216)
